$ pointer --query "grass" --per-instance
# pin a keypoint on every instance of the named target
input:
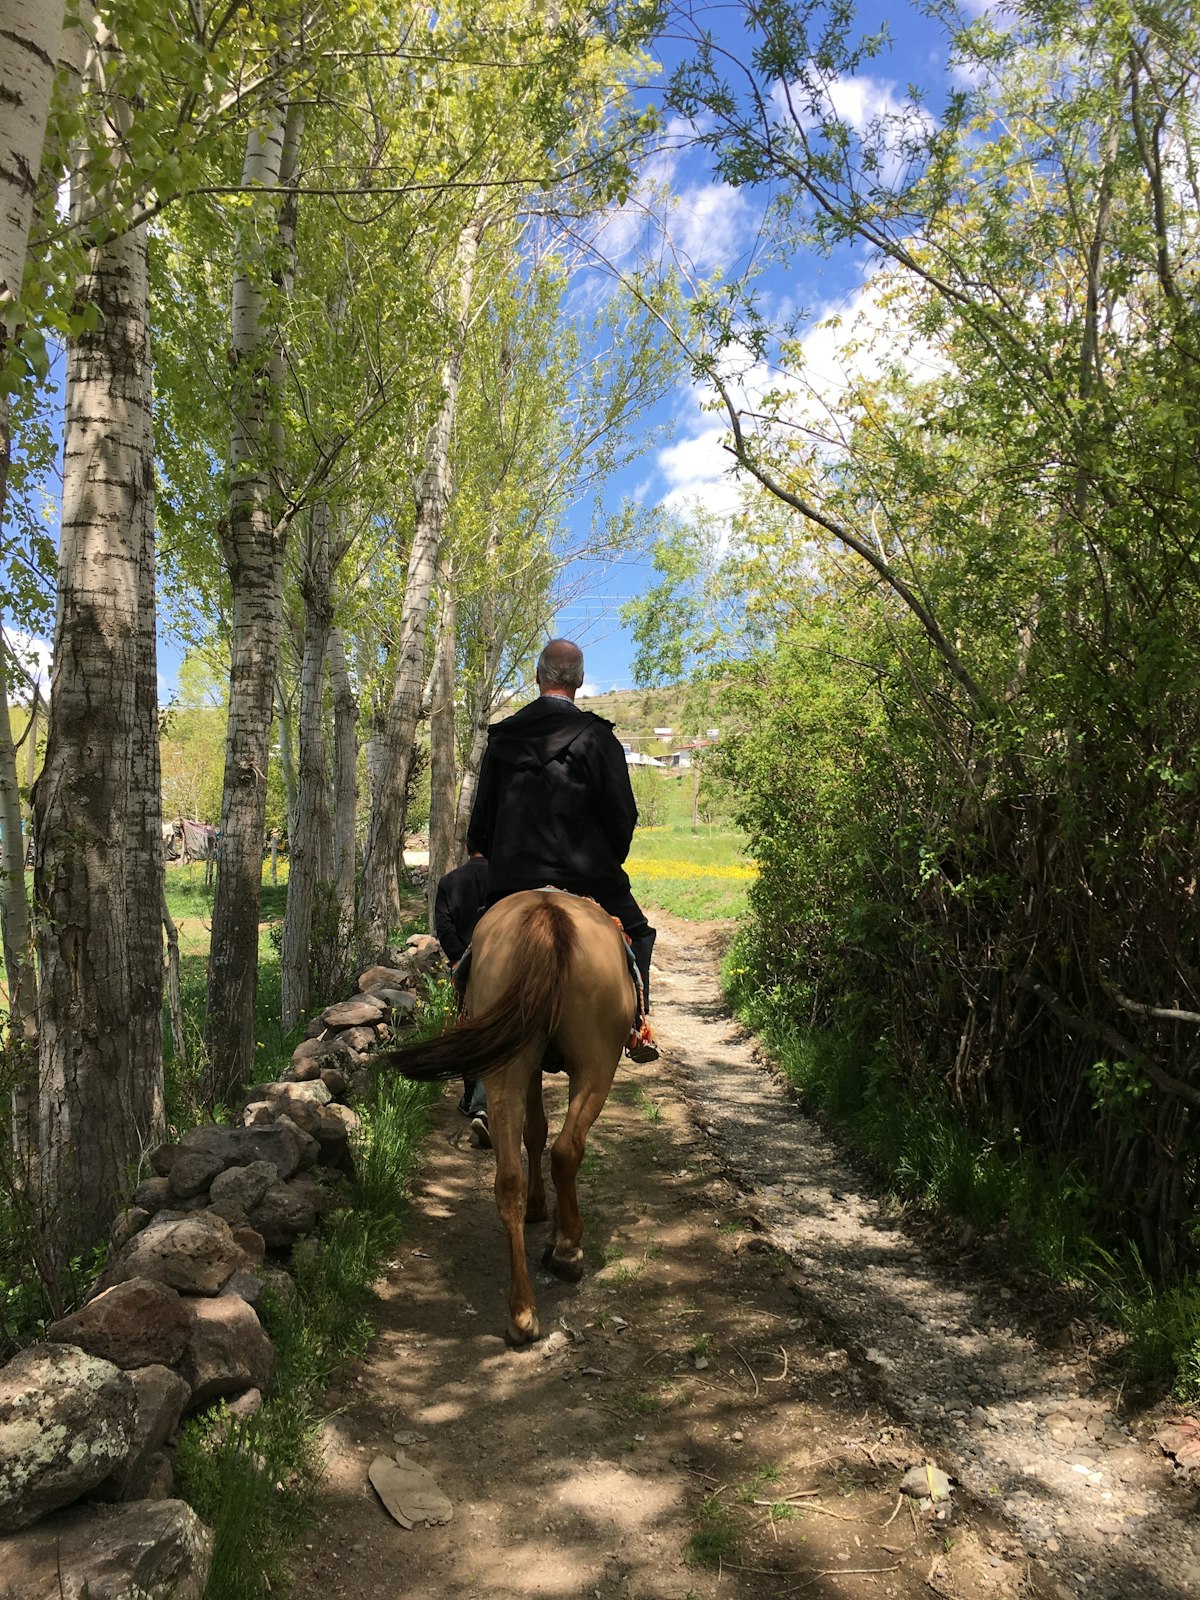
(698, 876)
(716, 1537)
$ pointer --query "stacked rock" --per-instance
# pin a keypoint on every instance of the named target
(340, 1039)
(87, 1419)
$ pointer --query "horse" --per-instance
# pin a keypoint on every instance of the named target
(548, 981)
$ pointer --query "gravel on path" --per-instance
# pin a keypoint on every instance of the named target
(1024, 1430)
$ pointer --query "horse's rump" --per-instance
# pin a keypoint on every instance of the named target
(534, 969)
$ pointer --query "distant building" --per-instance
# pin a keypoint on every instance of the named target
(664, 733)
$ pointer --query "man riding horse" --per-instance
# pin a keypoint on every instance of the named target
(548, 977)
(555, 807)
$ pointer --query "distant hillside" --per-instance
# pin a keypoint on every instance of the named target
(637, 712)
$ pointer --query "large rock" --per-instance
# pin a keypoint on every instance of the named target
(192, 1173)
(337, 1124)
(283, 1215)
(336, 1081)
(162, 1158)
(299, 1101)
(66, 1421)
(227, 1350)
(161, 1397)
(399, 1002)
(353, 1013)
(306, 1071)
(126, 1223)
(321, 1196)
(308, 1049)
(281, 1143)
(153, 1194)
(261, 1114)
(360, 1038)
(136, 1323)
(244, 1186)
(424, 952)
(147, 1550)
(194, 1254)
(375, 978)
(253, 1245)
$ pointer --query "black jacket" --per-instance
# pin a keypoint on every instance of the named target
(458, 905)
(554, 803)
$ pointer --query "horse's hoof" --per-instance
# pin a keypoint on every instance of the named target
(520, 1335)
(568, 1267)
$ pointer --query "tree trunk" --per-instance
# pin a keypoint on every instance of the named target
(174, 988)
(385, 841)
(96, 1091)
(309, 855)
(287, 758)
(29, 43)
(484, 698)
(443, 854)
(345, 777)
(14, 904)
(254, 555)
(145, 867)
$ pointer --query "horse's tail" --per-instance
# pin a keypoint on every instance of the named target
(529, 1008)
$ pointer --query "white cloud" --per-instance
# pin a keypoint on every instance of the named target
(856, 338)
(33, 656)
(871, 107)
(703, 226)
(711, 225)
(698, 471)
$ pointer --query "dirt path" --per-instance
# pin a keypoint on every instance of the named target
(752, 1328)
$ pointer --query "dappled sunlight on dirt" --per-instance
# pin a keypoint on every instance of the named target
(646, 1448)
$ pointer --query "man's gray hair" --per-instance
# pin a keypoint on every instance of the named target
(560, 665)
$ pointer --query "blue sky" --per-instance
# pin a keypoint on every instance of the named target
(682, 210)
(711, 227)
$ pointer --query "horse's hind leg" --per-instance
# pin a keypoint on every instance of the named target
(506, 1116)
(565, 1255)
(535, 1144)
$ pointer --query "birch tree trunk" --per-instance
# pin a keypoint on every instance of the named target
(287, 758)
(310, 863)
(442, 752)
(144, 863)
(345, 777)
(29, 42)
(15, 933)
(385, 841)
(483, 700)
(254, 557)
(96, 1092)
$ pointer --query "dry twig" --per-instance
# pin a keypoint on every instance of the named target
(748, 1368)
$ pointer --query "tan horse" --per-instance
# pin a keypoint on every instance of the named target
(548, 970)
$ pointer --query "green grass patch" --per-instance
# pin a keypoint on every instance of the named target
(699, 876)
(716, 1536)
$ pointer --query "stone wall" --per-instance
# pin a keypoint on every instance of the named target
(88, 1418)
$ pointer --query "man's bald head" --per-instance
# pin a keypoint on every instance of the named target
(560, 666)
